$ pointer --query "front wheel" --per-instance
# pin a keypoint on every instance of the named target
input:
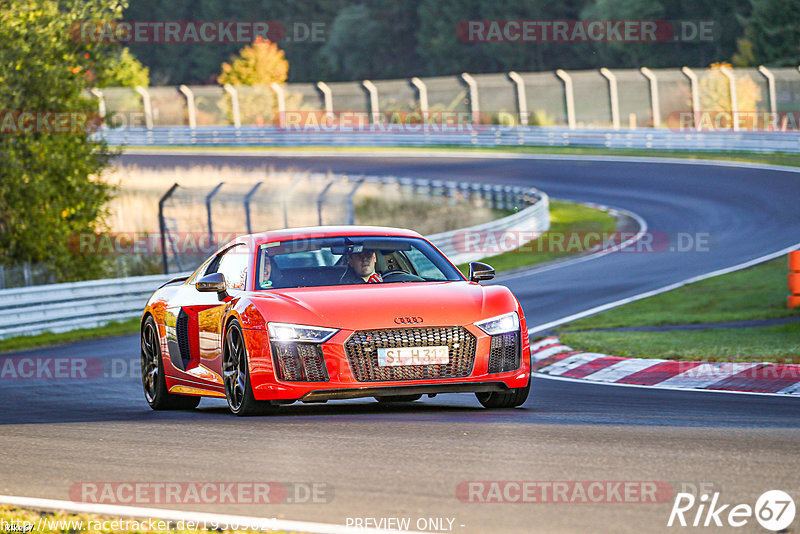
(505, 399)
(153, 381)
(236, 375)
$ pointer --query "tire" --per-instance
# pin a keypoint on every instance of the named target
(505, 399)
(391, 399)
(236, 376)
(153, 381)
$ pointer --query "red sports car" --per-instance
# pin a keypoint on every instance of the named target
(316, 314)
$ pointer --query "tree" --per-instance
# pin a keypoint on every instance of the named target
(50, 188)
(257, 66)
(772, 34)
(261, 63)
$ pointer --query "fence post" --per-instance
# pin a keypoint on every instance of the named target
(247, 198)
(374, 108)
(655, 101)
(213, 192)
(189, 105)
(101, 103)
(26, 274)
(286, 195)
(281, 95)
(148, 107)
(773, 95)
(569, 97)
(321, 199)
(327, 98)
(423, 98)
(613, 94)
(234, 94)
(162, 226)
(522, 99)
(2, 277)
(693, 84)
(473, 97)
(731, 76)
(351, 211)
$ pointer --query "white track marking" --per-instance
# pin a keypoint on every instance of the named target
(794, 389)
(570, 362)
(657, 386)
(244, 522)
(550, 351)
(621, 369)
(707, 374)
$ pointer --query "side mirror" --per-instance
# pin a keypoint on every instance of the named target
(212, 283)
(480, 272)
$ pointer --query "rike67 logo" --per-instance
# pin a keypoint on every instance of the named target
(774, 510)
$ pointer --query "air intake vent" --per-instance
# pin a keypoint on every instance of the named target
(299, 362)
(504, 355)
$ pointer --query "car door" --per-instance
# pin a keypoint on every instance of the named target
(194, 322)
(234, 265)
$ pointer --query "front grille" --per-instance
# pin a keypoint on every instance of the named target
(505, 353)
(362, 353)
(299, 362)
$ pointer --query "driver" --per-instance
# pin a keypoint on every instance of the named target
(361, 268)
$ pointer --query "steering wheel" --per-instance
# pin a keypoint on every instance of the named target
(400, 276)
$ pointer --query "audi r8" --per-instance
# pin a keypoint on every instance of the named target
(281, 316)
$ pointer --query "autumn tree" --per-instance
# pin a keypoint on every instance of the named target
(252, 71)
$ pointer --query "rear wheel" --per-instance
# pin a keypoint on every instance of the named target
(153, 381)
(236, 375)
(391, 399)
(505, 399)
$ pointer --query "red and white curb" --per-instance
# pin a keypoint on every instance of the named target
(551, 357)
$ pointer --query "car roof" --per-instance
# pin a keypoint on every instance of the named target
(325, 231)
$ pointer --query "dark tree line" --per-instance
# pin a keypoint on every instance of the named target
(402, 38)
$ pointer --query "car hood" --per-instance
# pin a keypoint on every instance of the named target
(372, 306)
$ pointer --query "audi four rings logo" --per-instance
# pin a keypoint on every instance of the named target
(408, 320)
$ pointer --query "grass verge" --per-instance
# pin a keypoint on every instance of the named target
(566, 219)
(26, 520)
(751, 294)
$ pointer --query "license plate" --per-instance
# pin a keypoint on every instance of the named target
(400, 356)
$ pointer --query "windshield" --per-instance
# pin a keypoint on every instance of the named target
(334, 261)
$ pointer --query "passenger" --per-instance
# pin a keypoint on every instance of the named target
(270, 273)
(361, 268)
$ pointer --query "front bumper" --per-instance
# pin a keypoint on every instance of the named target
(343, 384)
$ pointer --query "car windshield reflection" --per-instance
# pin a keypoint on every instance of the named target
(334, 261)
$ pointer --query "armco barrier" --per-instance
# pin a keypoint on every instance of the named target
(482, 136)
(64, 307)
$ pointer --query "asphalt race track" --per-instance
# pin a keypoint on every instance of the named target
(408, 461)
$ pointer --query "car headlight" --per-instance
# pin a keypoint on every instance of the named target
(508, 322)
(287, 333)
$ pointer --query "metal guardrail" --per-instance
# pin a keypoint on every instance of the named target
(481, 136)
(64, 307)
